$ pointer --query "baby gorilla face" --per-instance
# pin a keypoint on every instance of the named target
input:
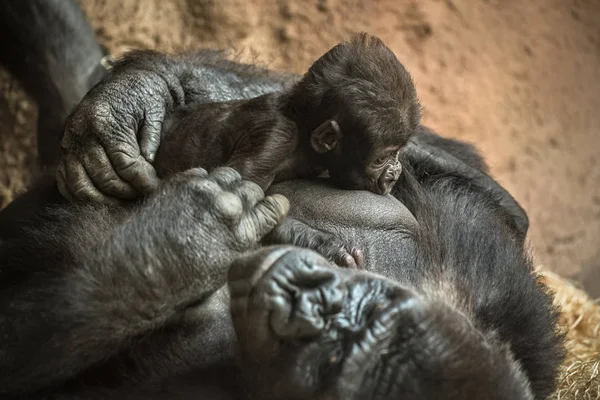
(307, 330)
(376, 172)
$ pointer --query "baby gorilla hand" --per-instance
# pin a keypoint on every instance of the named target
(102, 160)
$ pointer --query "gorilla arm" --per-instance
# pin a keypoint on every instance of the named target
(103, 160)
(141, 276)
(430, 154)
(50, 47)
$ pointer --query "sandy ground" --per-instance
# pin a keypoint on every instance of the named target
(521, 79)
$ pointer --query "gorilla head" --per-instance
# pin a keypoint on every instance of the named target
(307, 329)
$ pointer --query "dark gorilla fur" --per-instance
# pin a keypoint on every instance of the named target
(349, 114)
(133, 301)
(37, 58)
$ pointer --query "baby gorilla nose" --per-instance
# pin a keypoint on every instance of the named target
(388, 178)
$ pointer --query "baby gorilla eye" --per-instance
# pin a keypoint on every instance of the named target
(381, 161)
(390, 155)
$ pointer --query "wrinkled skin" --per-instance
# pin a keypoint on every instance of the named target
(133, 301)
(129, 131)
(368, 109)
(132, 274)
(307, 330)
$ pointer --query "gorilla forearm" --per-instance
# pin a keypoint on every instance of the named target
(142, 272)
(49, 46)
(81, 315)
(429, 154)
(205, 76)
(86, 313)
(120, 122)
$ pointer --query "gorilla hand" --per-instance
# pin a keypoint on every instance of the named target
(294, 232)
(132, 275)
(102, 159)
(197, 223)
(183, 238)
(225, 210)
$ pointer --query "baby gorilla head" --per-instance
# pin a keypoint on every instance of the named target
(367, 154)
(310, 330)
(361, 107)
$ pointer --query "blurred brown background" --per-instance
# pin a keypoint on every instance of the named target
(521, 79)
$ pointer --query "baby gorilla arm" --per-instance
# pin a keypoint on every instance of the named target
(103, 161)
(140, 277)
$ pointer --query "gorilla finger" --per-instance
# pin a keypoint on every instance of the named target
(267, 214)
(150, 136)
(81, 186)
(104, 177)
(61, 183)
(228, 206)
(197, 180)
(226, 177)
(192, 173)
(250, 193)
(345, 260)
(135, 170)
(359, 257)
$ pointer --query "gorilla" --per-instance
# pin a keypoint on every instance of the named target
(175, 296)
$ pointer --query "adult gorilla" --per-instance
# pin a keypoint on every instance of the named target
(133, 300)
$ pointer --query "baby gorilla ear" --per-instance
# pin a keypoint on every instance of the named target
(326, 136)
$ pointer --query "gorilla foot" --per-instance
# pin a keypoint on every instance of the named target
(300, 293)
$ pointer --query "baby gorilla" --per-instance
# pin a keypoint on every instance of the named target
(350, 114)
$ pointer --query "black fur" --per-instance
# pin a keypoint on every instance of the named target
(56, 69)
(131, 301)
(364, 109)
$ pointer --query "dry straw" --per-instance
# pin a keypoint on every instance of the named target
(580, 320)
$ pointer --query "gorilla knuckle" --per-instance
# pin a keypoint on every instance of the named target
(275, 208)
(228, 206)
(202, 186)
(124, 161)
(81, 189)
(99, 109)
(225, 174)
(194, 173)
(251, 188)
(250, 193)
